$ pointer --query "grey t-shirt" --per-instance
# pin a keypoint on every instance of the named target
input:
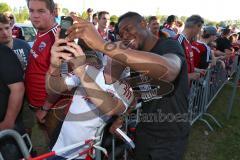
(21, 49)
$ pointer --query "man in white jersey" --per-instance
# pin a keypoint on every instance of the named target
(98, 97)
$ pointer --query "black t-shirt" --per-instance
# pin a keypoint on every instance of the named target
(223, 43)
(10, 73)
(174, 105)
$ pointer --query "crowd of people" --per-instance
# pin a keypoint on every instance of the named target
(96, 88)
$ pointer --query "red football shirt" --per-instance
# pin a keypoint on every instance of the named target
(201, 53)
(38, 64)
(188, 51)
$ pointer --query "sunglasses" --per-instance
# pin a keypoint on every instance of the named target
(11, 17)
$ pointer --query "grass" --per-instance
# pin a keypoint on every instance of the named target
(223, 143)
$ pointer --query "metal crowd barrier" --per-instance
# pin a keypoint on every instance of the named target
(234, 85)
(19, 140)
(205, 90)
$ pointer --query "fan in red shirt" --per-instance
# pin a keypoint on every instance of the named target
(201, 49)
(42, 18)
(185, 43)
(192, 27)
(200, 53)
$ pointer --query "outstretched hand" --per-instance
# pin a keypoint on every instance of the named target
(85, 30)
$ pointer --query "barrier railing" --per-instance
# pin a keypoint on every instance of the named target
(205, 90)
(234, 84)
(18, 139)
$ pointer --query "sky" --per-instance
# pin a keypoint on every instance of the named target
(214, 10)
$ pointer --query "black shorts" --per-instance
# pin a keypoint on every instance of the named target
(154, 148)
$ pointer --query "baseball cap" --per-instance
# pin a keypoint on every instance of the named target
(210, 30)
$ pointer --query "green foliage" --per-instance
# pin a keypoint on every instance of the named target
(161, 18)
(84, 15)
(21, 14)
(222, 24)
(233, 22)
(114, 18)
(210, 23)
(183, 18)
(65, 11)
(4, 7)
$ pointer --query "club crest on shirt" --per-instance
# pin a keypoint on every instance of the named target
(41, 46)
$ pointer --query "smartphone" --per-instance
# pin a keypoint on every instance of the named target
(65, 23)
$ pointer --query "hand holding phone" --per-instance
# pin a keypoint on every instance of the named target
(65, 23)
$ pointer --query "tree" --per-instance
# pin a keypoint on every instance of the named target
(65, 11)
(183, 18)
(163, 19)
(4, 7)
(84, 15)
(211, 23)
(114, 18)
(222, 24)
(21, 14)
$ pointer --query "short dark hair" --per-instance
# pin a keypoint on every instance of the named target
(94, 15)
(112, 23)
(89, 10)
(194, 20)
(152, 18)
(100, 14)
(135, 15)
(49, 3)
(226, 31)
(171, 19)
(4, 19)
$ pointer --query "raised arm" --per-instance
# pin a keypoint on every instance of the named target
(76, 59)
(165, 67)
